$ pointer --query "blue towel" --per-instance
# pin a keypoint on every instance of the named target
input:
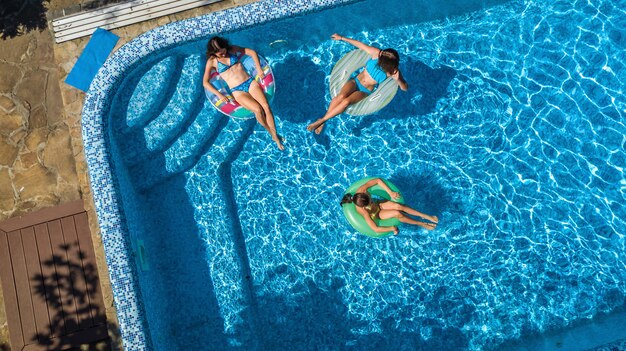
(89, 62)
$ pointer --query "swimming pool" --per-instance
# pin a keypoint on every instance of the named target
(511, 132)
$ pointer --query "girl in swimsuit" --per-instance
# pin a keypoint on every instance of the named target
(383, 64)
(226, 60)
(384, 209)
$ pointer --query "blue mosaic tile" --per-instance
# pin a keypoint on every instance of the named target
(119, 256)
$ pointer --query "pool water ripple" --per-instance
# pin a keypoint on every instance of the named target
(512, 133)
(529, 171)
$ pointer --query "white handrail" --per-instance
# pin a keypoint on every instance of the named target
(86, 18)
(115, 16)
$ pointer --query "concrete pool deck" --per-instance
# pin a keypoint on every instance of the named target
(42, 163)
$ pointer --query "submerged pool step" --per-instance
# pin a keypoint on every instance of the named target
(151, 92)
(144, 94)
(223, 139)
(230, 142)
(184, 152)
(210, 184)
(227, 273)
(161, 131)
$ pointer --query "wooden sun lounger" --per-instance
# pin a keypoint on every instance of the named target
(50, 280)
(114, 16)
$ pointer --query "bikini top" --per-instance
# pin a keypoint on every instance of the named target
(375, 71)
(221, 67)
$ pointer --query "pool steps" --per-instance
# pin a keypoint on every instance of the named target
(161, 131)
(146, 99)
(176, 116)
(161, 144)
(150, 99)
(185, 152)
(230, 271)
(219, 134)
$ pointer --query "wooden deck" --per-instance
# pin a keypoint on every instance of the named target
(50, 280)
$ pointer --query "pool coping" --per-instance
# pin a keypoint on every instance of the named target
(119, 254)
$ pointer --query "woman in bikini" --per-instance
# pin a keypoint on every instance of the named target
(226, 60)
(372, 209)
(383, 64)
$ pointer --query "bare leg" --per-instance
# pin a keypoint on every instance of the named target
(258, 94)
(333, 104)
(340, 107)
(409, 220)
(386, 214)
(390, 205)
(349, 95)
(246, 100)
(344, 93)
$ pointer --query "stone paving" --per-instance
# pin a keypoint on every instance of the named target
(41, 150)
(37, 167)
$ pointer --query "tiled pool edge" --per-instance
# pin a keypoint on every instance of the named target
(118, 252)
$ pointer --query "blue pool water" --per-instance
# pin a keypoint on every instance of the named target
(512, 132)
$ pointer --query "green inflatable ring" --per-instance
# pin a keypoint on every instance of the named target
(357, 221)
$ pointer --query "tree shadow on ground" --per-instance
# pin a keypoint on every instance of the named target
(18, 17)
(318, 319)
(426, 87)
(100, 3)
(71, 291)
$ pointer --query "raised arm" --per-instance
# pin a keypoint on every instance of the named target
(400, 80)
(373, 224)
(255, 58)
(377, 181)
(370, 183)
(372, 51)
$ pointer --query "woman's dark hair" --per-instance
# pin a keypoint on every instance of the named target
(216, 44)
(359, 199)
(389, 60)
